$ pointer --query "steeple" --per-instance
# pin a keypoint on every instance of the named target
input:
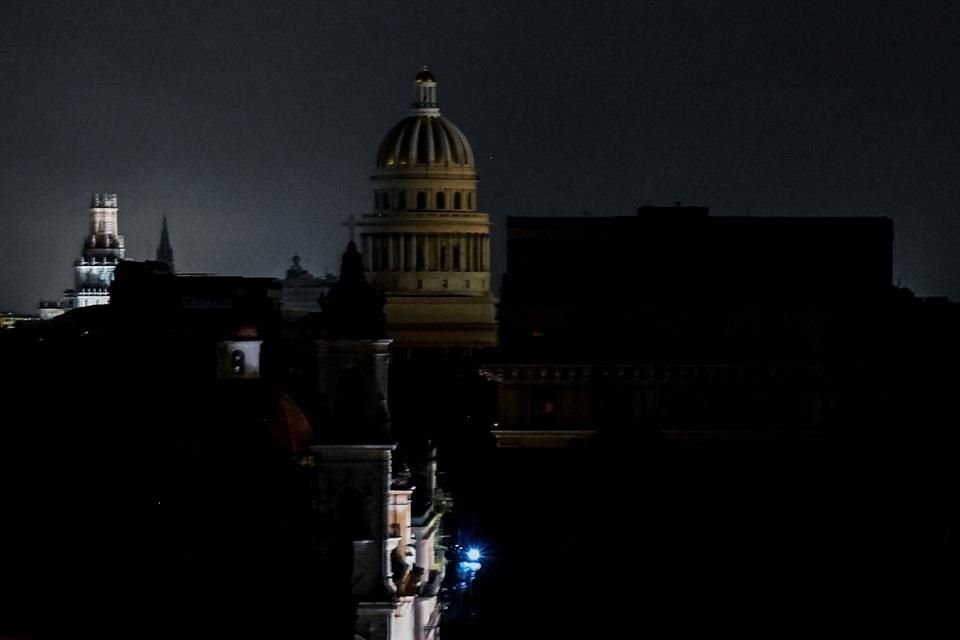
(353, 310)
(164, 249)
(102, 236)
(102, 251)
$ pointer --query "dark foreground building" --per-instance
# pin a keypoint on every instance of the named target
(713, 425)
(186, 464)
(679, 324)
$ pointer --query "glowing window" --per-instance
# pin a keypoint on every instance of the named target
(238, 363)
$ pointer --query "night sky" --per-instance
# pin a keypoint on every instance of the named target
(254, 125)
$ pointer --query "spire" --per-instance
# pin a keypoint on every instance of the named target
(352, 223)
(164, 249)
(426, 85)
(354, 309)
(351, 265)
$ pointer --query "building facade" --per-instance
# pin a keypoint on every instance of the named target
(427, 243)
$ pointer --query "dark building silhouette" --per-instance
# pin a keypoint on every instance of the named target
(714, 423)
(673, 320)
(215, 469)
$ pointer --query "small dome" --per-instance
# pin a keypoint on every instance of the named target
(425, 76)
(425, 142)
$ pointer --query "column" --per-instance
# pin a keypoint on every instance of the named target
(402, 239)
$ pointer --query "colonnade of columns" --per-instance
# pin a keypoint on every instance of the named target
(467, 252)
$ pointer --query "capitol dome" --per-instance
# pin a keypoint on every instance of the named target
(426, 243)
(425, 140)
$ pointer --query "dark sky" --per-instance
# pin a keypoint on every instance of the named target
(254, 125)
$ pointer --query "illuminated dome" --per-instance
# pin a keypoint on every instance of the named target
(426, 243)
(425, 140)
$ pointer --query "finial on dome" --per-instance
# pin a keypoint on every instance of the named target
(425, 76)
(426, 84)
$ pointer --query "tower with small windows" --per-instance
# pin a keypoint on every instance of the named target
(426, 244)
(102, 250)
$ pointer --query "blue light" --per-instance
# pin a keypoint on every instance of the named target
(473, 555)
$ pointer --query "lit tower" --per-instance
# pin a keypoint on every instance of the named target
(165, 249)
(426, 245)
(102, 250)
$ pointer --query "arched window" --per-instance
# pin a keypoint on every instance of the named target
(238, 364)
(470, 200)
(457, 201)
(421, 200)
(402, 200)
(441, 200)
